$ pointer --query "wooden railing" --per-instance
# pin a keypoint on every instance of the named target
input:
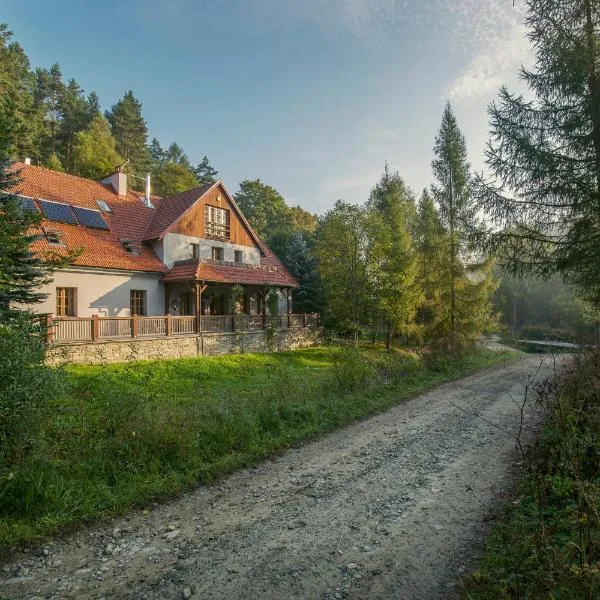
(61, 330)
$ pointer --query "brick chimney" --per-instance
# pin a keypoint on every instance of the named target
(118, 180)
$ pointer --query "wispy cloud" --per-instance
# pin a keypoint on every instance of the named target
(499, 54)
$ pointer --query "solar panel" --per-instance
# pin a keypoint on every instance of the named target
(57, 211)
(27, 204)
(90, 217)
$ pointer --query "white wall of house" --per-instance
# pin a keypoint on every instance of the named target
(104, 292)
(175, 246)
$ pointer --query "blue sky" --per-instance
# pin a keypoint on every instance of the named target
(311, 96)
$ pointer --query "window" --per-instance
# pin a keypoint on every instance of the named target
(195, 248)
(103, 206)
(54, 237)
(129, 247)
(216, 253)
(238, 256)
(216, 221)
(65, 302)
(137, 302)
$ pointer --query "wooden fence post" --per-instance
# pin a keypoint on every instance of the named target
(303, 319)
(134, 326)
(169, 325)
(95, 328)
(49, 329)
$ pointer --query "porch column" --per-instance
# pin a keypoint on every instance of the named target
(287, 299)
(167, 297)
(200, 288)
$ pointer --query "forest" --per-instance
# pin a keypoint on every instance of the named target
(400, 266)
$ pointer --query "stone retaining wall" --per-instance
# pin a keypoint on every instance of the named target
(204, 344)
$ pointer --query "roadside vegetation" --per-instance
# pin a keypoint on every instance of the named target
(120, 436)
(548, 545)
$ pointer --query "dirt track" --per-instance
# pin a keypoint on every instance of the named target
(392, 507)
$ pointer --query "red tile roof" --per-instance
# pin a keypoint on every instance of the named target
(248, 275)
(129, 219)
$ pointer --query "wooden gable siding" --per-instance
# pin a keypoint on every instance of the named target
(192, 223)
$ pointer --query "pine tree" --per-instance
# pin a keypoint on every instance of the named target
(301, 263)
(74, 118)
(544, 152)
(94, 151)
(49, 90)
(22, 272)
(451, 169)
(432, 243)
(171, 178)
(16, 97)
(130, 132)
(393, 262)
(469, 286)
(205, 172)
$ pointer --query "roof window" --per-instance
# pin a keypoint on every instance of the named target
(129, 247)
(103, 206)
(54, 237)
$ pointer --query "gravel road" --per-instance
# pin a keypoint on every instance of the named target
(395, 506)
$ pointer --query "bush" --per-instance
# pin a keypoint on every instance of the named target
(352, 370)
(25, 382)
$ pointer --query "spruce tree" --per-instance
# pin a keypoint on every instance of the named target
(130, 132)
(49, 90)
(302, 264)
(543, 199)
(74, 118)
(22, 272)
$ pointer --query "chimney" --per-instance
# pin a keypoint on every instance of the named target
(118, 180)
(27, 160)
(147, 200)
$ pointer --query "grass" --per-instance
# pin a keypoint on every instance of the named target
(548, 543)
(125, 435)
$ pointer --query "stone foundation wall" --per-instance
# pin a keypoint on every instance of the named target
(204, 344)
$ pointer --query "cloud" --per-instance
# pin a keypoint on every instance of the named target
(498, 58)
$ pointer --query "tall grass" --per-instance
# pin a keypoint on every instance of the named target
(548, 544)
(123, 435)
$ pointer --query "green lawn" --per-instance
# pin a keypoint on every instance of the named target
(124, 435)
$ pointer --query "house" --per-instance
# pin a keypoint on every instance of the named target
(190, 254)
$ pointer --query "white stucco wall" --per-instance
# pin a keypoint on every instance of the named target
(175, 246)
(103, 292)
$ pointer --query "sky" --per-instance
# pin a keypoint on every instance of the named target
(310, 96)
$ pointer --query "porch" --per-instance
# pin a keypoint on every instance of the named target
(66, 330)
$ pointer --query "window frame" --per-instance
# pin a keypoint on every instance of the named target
(220, 251)
(238, 254)
(195, 248)
(217, 227)
(134, 302)
(68, 308)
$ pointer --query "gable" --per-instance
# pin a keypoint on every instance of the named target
(194, 223)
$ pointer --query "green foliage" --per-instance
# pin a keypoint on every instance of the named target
(130, 131)
(302, 264)
(205, 173)
(123, 435)
(94, 152)
(343, 249)
(548, 545)
(171, 178)
(467, 284)
(393, 263)
(543, 200)
(24, 385)
(22, 272)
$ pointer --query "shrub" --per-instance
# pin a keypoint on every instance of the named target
(25, 382)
